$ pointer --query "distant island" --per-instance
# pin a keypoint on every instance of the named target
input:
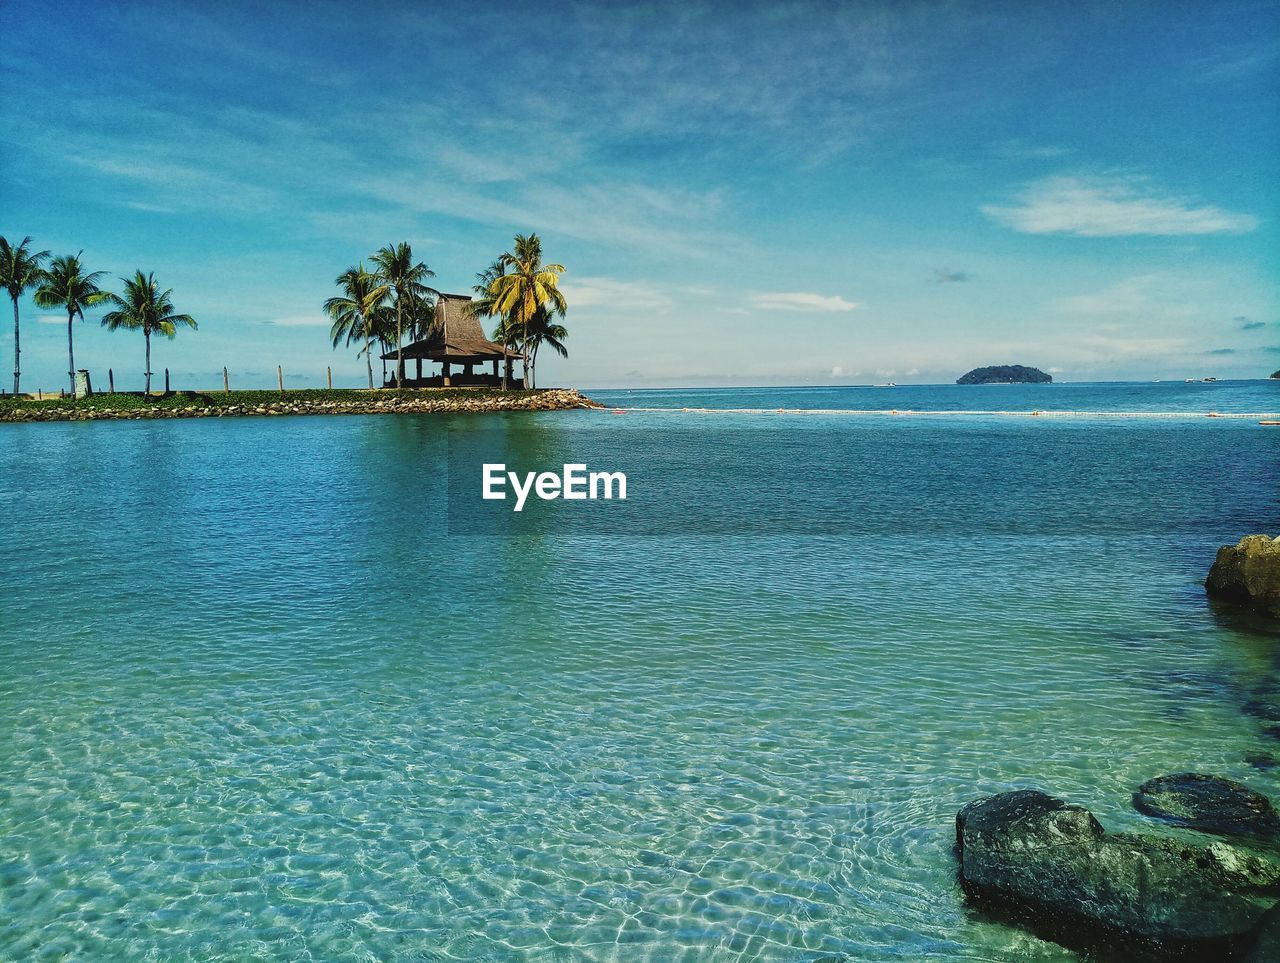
(1005, 374)
(1275, 374)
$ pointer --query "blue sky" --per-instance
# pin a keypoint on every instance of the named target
(784, 193)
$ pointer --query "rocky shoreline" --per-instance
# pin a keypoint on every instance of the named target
(212, 406)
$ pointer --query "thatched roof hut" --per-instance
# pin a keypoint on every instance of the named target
(456, 338)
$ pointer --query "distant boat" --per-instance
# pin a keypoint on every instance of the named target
(1190, 381)
(1208, 379)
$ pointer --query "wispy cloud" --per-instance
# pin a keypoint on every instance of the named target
(801, 301)
(1141, 295)
(1251, 325)
(1017, 149)
(1112, 208)
(300, 321)
(1221, 351)
(1241, 61)
(948, 276)
(601, 293)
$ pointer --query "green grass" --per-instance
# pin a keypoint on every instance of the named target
(216, 399)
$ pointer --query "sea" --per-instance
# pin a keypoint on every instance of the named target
(288, 688)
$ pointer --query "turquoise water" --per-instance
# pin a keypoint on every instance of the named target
(262, 697)
(1158, 396)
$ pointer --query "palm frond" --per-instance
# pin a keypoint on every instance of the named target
(20, 267)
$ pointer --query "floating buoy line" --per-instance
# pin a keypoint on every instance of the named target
(1263, 418)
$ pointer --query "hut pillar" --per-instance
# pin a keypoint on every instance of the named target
(444, 374)
(419, 369)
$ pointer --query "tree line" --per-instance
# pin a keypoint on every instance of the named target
(67, 284)
(393, 299)
(382, 304)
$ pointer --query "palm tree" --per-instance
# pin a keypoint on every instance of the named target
(407, 281)
(353, 312)
(482, 305)
(19, 270)
(145, 308)
(66, 285)
(542, 330)
(421, 320)
(528, 287)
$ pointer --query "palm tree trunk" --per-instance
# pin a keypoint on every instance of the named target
(399, 348)
(368, 359)
(533, 371)
(71, 354)
(524, 350)
(147, 336)
(17, 351)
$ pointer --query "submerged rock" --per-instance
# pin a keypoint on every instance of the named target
(1266, 944)
(1248, 571)
(1208, 803)
(1260, 760)
(1053, 866)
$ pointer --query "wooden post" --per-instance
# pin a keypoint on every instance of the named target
(329, 371)
(166, 380)
(111, 382)
(280, 378)
(226, 382)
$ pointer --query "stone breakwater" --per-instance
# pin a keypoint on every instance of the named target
(556, 399)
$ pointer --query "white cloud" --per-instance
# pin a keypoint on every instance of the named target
(801, 301)
(836, 371)
(1111, 208)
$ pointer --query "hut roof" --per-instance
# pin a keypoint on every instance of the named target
(456, 336)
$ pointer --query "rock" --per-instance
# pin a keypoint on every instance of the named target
(1208, 803)
(1052, 866)
(1266, 941)
(1248, 571)
(1242, 869)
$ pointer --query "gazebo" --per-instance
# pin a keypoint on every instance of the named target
(456, 339)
